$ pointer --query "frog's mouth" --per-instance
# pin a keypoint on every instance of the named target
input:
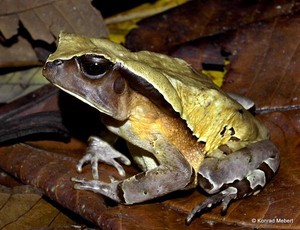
(102, 108)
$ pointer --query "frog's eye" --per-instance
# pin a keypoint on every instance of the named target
(94, 67)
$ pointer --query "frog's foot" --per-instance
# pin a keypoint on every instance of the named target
(99, 150)
(225, 197)
(107, 189)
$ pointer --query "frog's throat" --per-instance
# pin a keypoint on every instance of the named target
(102, 109)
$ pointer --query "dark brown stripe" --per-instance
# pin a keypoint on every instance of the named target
(267, 170)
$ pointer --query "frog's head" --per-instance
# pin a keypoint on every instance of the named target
(104, 75)
(94, 80)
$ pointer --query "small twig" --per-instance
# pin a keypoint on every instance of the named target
(263, 110)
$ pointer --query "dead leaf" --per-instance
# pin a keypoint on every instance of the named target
(7, 180)
(23, 207)
(37, 21)
(52, 172)
(120, 24)
(267, 54)
(43, 99)
(17, 84)
(197, 19)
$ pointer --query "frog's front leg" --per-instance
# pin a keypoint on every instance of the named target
(100, 150)
(173, 173)
(241, 173)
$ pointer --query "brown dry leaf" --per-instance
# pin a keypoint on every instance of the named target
(51, 171)
(8, 180)
(120, 24)
(23, 207)
(17, 84)
(197, 19)
(267, 55)
(43, 20)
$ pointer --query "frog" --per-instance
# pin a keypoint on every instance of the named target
(182, 130)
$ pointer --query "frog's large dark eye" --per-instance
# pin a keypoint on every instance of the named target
(94, 67)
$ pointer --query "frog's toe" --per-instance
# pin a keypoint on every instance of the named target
(80, 183)
(225, 197)
(110, 190)
(86, 158)
(84, 184)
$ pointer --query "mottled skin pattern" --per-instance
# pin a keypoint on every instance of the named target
(224, 161)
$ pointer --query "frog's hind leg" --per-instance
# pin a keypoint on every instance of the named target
(241, 173)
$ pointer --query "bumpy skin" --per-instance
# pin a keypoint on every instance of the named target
(181, 129)
(242, 173)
